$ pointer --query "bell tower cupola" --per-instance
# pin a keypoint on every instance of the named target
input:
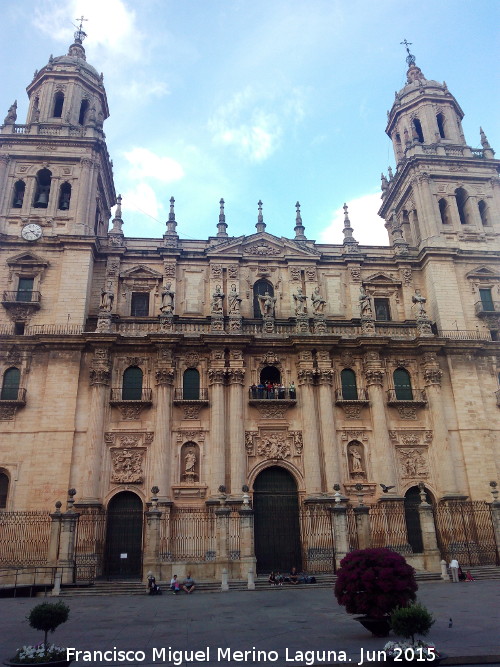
(444, 192)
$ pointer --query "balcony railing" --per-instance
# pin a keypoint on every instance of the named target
(418, 397)
(13, 396)
(119, 396)
(456, 334)
(24, 297)
(361, 396)
(487, 308)
(181, 394)
(276, 394)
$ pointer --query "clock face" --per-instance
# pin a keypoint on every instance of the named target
(31, 232)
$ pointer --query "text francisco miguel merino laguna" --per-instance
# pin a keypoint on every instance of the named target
(215, 655)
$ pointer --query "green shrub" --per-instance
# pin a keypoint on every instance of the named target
(412, 620)
(48, 616)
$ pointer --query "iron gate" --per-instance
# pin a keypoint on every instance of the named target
(89, 544)
(465, 531)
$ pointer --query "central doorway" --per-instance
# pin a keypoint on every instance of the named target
(124, 536)
(277, 528)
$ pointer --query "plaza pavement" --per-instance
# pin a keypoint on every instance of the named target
(269, 620)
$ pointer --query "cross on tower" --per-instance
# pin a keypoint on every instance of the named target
(410, 58)
(80, 34)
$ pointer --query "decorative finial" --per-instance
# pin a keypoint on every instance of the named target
(299, 227)
(399, 244)
(11, 116)
(221, 226)
(171, 235)
(261, 225)
(80, 34)
(76, 49)
(484, 139)
(389, 171)
(384, 184)
(117, 220)
(349, 241)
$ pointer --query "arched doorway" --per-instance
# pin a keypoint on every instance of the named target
(124, 536)
(270, 374)
(277, 529)
(412, 518)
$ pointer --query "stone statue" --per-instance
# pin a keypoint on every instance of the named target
(217, 297)
(318, 302)
(300, 302)
(356, 460)
(267, 304)
(418, 298)
(190, 462)
(234, 300)
(36, 113)
(11, 116)
(107, 298)
(167, 300)
(365, 303)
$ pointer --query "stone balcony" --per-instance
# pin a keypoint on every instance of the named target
(486, 309)
(14, 299)
(418, 398)
(10, 401)
(131, 404)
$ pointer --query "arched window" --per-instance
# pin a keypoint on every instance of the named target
(259, 289)
(440, 124)
(42, 191)
(58, 104)
(418, 130)
(4, 490)
(64, 196)
(191, 385)
(83, 111)
(19, 188)
(10, 384)
(461, 196)
(132, 384)
(483, 212)
(402, 385)
(443, 210)
(349, 388)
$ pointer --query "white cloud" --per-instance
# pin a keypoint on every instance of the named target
(143, 199)
(368, 226)
(254, 123)
(146, 164)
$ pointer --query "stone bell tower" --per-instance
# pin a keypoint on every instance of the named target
(444, 192)
(56, 194)
(55, 170)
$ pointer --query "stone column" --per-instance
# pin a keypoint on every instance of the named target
(161, 455)
(151, 556)
(445, 467)
(217, 452)
(55, 533)
(67, 556)
(222, 539)
(247, 551)
(340, 532)
(4, 162)
(90, 476)
(361, 512)
(328, 435)
(381, 454)
(236, 423)
(432, 556)
(83, 193)
(313, 461)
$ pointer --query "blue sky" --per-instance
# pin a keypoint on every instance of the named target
(258, 99)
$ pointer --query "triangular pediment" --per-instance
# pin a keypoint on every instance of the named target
(380, 279)
(27, 258)
(141, 271)
(483, 272)
(263, 245)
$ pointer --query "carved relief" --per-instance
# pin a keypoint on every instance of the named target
(164, 376)
(413, 463)
(129, 412)
(274, 446)
(127, 465)
(407, 412)
(191, 411)
(355, 275)
(169, 270)
(7, 412)
(407, 276)
(277, 445)
(130, 439)
(216, 271)
(311, 273)
(232, 271)
(192, 359)
(272, 411)
(261, 248)
(295, 273)
(352, 411)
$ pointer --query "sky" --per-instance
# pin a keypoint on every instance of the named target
(276, 100)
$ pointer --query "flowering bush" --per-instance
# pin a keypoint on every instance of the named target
(33, 655)
(373, 582)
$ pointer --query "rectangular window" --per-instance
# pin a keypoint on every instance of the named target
(140, 304)
(382, 311)
(487, 299)
(25, 289)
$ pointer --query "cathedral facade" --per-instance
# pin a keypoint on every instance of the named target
(252, 402)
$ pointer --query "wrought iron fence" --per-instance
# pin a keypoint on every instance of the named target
(352, 531)
(187, 534)
(24, 537)
(318, 553)
(465, 531)
(388, 527)
(89, 544)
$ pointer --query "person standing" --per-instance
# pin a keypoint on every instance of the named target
(454, 567)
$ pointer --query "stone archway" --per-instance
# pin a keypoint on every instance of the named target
(124, 535)
(277, 526)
